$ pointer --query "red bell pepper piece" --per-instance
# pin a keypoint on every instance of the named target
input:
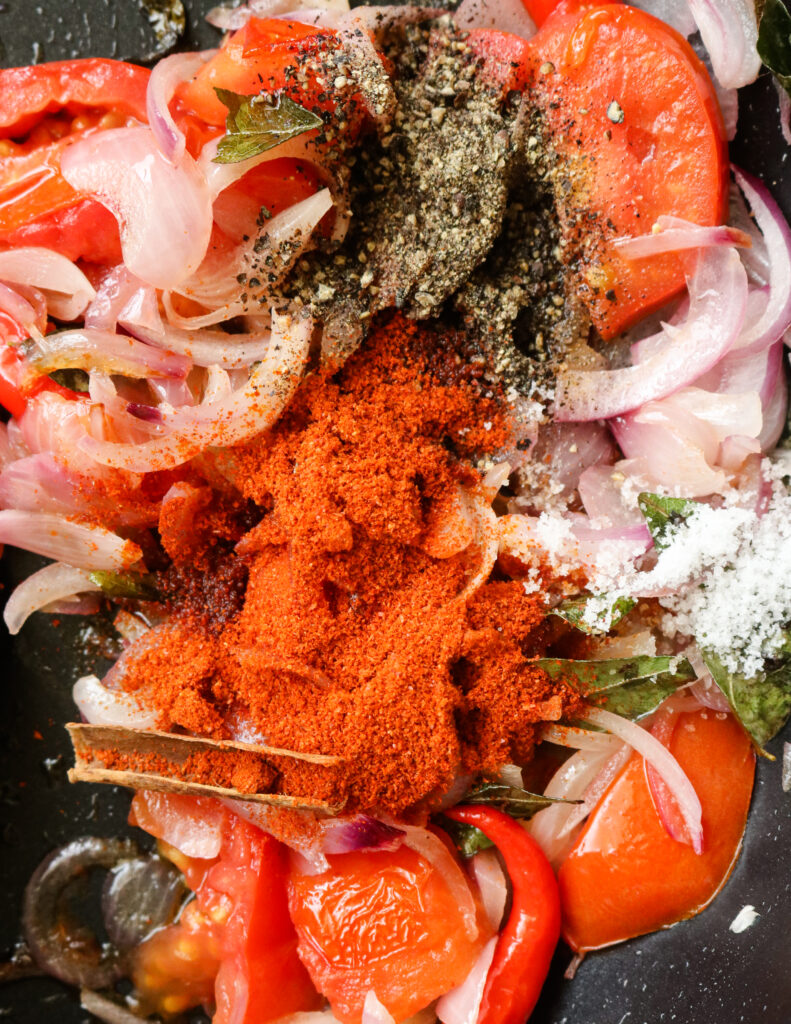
(524, 949)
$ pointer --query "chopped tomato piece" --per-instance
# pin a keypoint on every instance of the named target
(633, 116)
(254, 59)
(385, 921)
(505, 57)
(625, 876)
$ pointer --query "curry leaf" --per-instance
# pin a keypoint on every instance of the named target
(519, 803)
(126, 585)
(592, 614)
(774, 41)
(71, 377)
(762, 703)
(631, 687)
(255, 124)
(662, 514)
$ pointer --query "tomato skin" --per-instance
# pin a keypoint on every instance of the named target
(85, 231)
(28, 94)
(660, 150)
(261, 978)
(505, 57)
(625, 876)
(385, 921)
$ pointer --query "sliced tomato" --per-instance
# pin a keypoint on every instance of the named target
(261, 978)
(28, 94)
(242, 940)
(385, 921)
(264, 191)
(257, 57)
(505, 57)
(44, 109)
(625, 876)
(632, 114)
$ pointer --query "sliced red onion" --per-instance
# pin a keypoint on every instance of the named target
(166, 75)
(432, 849)
(163, 212)
(232, 18)
(674, 234)
(578, 739)
(362, 832)
(569, 782)
(215, 286)
(52, 583)
(68, 291)
(87, 547)
(775, 413)
(718, 297)
(489, 876)
(706, 692)
(7, 454)
(125, 419)
(777, 316)
(462, 1004)
(112, 294)
(730, 33)
(101, 706)
(233, 420)
(568, 449)
(110, 353)
(141, 318)
(663, 727)
(502, 15)
(667, 767)
(188, 826)
(601, 493)
(217, 386)
(20, 310)
(39, 483)
(374, 1012)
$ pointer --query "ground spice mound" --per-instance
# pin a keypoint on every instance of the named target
(356, 636)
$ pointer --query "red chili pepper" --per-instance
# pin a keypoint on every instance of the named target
(526, 943)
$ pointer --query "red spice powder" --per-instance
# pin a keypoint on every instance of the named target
(354, 636)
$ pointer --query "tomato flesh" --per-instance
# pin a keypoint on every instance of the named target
(633, 116)
(382, 921)
(625, 876)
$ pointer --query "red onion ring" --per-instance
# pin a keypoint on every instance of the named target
(730, 33)
(166, 75)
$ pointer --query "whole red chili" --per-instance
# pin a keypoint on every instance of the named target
(526, 943)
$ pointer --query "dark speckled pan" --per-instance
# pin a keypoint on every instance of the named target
(695, 973)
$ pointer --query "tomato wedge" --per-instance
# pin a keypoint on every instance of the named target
(625, 876)
(632, 114)
(44, 109)
(381, 921)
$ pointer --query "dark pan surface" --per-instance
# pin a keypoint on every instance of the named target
(695, 973)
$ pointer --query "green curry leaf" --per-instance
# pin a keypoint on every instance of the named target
(594, 615)
(774, 41)
(517, 802)
(255, 124)
(663, 514)
(630, 687)
(71, 377)
(132, 586)
(762, 703)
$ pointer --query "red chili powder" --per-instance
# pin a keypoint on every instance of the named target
(353, 636)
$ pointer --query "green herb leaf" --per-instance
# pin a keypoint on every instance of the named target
(255, 124)
(127, 585)
(575, 612)
(663, 514)
(762, 703)
(517, 802)
(774, 41)
(630, 687)
(73, 378)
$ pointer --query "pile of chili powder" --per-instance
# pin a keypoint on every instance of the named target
(318, 588)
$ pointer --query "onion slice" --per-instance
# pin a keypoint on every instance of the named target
(52, 583)
(163, 212)
(101, 706)
(666, 766)
(68, 291)
(461, 1004)
(718, 294)
(90, 349)
(432, 849)
(87, 547)
(374, 1012)
(674, 234)
(166, 75)
(730, 32)
(232, 420)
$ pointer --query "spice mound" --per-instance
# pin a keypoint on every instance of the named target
(373, 624)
